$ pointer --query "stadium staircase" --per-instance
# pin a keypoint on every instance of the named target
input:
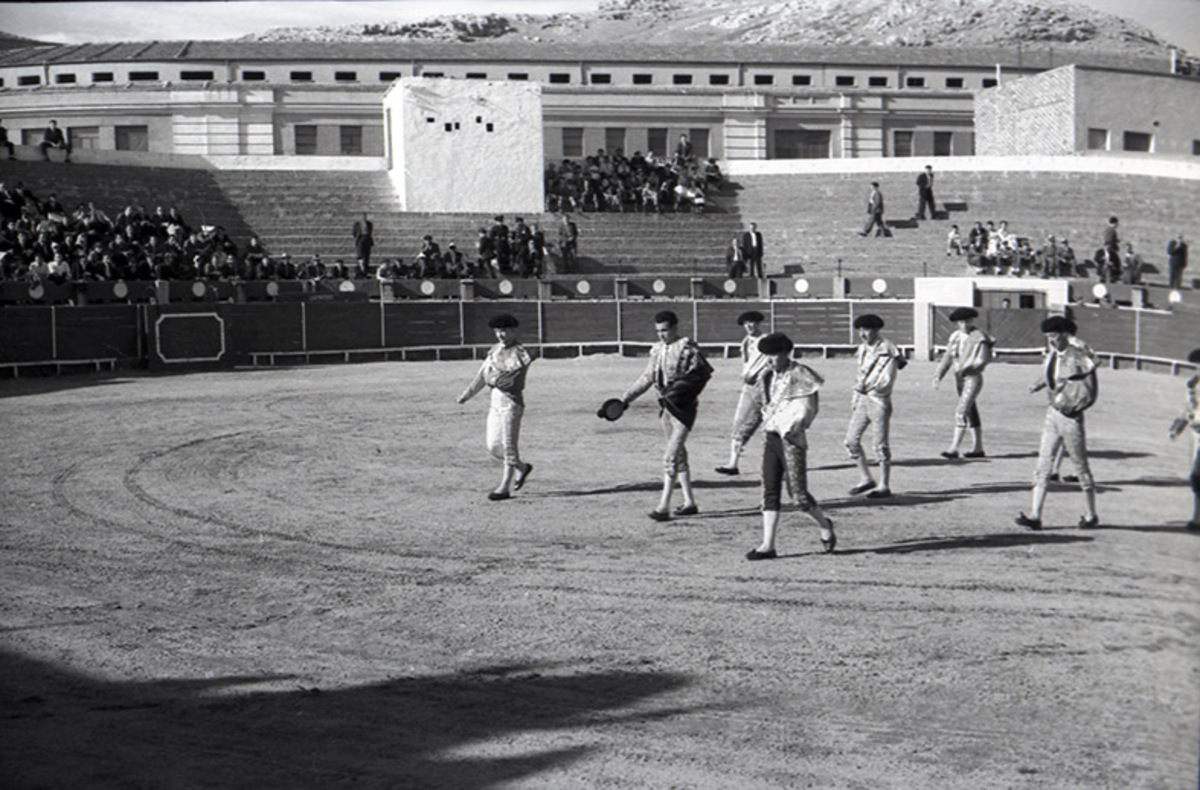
(813, 221)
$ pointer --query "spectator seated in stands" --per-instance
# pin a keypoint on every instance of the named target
(954, 242)
(712, 174)
(53, 138)
(613, 182)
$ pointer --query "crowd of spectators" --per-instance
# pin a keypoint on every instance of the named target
(992, 249)
(646, 183)
(41, 241)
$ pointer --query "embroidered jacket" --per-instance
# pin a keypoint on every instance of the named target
(504, 369)
(877, 367)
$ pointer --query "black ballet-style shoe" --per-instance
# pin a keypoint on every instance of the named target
(499, 496)
(522, 477)
(951, 454)
(1023, 520)
(1089, 523)
(687, 510)
(975, 454)
(660, 515)
(830, 543)
(755, 554)
(861, 487)
(728, 470)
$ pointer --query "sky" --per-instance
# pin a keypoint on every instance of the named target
(1177, 21)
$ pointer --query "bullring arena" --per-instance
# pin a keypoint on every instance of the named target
(247, 543)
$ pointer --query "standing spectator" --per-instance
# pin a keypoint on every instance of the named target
(6, 143)
(1190, 418)
(683, 151)
(1070, 377)
(1177, 255)
(1066, 260)
(968, 352)
(925, 193)
(364, 239)
(1132, 265)
(752, 242)
(735, 256)
(485, 251)
(53, 137)
(747, 415)
(788, 394)
(1048, 257)
(500, 243)
(568, 244)
(875, 213)
(1112, 242)
(678, 372)
(537, 250)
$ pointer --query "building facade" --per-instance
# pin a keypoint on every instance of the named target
(735, 103)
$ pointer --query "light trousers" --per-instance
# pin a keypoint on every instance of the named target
(504, 428)
(1059, 430)
(877, 412)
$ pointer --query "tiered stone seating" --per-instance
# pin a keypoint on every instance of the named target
(111, 188)
(814, 220)
(306, 212)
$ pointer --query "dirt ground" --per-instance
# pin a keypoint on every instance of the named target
(292, 578)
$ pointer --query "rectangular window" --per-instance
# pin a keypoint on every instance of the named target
(477, 75)
(656, 141)
(1097, 140)
(943, 143)
(560, 79)
(643, 79)
(601, 79)
(143, 76)
(902, 143)
(764, 79)
(845, 81)
(388, 76)
(954, 82)
(29, 79)
(614, 139)
(877, 82)
(1138, 141)
(102, 76)
(914, 82)
(64, 79)
(519, 76)
(681, 79)
(572, 139)
(1195, 147)
(989, 82)
(301, 76)
(196, 75)
(718, 79)
(254, 76)
(699, 139)
(306, 140)
(133, 138)
(84, 138)
(345, 76)
(436, 75)
(802, 79)
(351, 140)
(802, 143)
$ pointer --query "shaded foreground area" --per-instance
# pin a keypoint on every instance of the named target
(292, 578)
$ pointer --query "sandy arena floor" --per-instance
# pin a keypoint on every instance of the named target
(292, 578)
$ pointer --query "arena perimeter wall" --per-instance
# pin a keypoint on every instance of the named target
(214, 335)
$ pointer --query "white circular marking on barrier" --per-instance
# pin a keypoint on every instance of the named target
(428, 287)
(198, 289)
(36, 291)
(659, 286)
(272, 288)
(120, 289)
(800, 286)
(583, 287)
(346, 287)
(879, 285)
(505, 287)
(1099, 290)
(731, 286)
(1175, 297)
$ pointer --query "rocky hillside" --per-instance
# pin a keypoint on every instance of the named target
(912, 23)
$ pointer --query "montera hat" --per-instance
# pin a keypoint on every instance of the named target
(750, 315)
(776, 343)
(1058, 323)
(504, 321)
(964, 314)
(611, 409)
(1194, 356)
(868, 321)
